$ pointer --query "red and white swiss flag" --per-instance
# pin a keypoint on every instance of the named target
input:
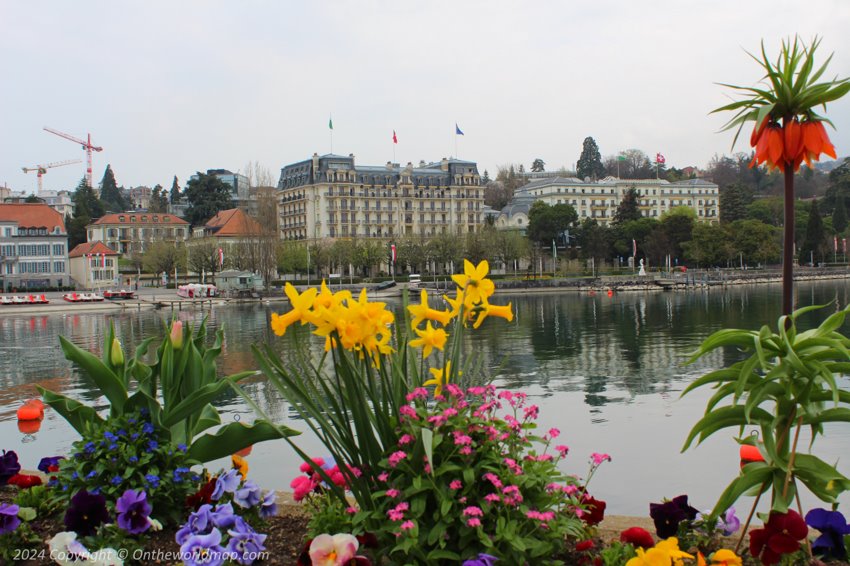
(392, 252)
(660, 159)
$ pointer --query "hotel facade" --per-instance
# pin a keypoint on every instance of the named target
(330, 196)
(599, 200)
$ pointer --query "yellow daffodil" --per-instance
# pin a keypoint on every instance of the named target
(326, 299)
(301, 305)
(429, 339)
(474, 281)
(501, 311)
(422, 312)
(241, 464)
(441, 378)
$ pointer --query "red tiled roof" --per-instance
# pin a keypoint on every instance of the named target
(233, 222)
(97, 247)
(32, 215)
(145, 218)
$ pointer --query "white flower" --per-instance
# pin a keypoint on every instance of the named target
(66, 550)
(155, 525)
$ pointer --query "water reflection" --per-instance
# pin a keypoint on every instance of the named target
(608, 371)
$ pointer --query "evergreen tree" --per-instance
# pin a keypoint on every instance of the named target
(486, 178)
(87, 207)
(110, 194)
(839, 215)
(814, 244)
(207, 195)
(548, 222)
(628, 209)
(159, 200)
(538, 166)
(174, 195)
(734, 201)
(590, 163)
(33, 199)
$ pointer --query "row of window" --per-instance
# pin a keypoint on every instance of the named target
(133, 233)
(642, 192)
(32, 250)
(8, 231)
(36, 267)
(144, 218)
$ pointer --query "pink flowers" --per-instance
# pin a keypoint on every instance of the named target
(473, 511)
(405, 439)
(544, 516)
(418, 393)
(392, 493)
(409, 412)
(554, 433)
(456, 484)
(407, 525)
(397, 457)
(562, 449)
(597, 458)
(397, 512)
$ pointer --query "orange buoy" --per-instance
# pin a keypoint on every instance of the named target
(245, 451)
(749, 454)
(29, 427)
(31, 410)
(610, 293)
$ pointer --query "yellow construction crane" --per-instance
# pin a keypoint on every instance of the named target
(42, 169)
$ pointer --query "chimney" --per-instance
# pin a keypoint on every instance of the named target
(389, 165)
(444, 164)
(422, 163)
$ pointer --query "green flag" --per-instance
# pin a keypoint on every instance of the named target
(621, 158)
(330, 123)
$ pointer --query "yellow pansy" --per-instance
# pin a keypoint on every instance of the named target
(241, 464)
(441, 378)
(423, 311)
(664, 553)
(722, 557)
(429, 339)
(474, 281)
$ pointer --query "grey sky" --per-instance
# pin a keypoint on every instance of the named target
(169, 88)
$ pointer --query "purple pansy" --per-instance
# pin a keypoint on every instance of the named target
(268, 507)
(248, 495)
(203, 550)
(9, 466)
(482, 560)
(227, 482)
(245, 543)
(49, 464)
(199, 523)
(86, 512)
(833, 527)
(133, 511)
(223, 516)
(669, 514)
(9, 520)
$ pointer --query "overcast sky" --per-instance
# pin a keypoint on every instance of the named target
(172, 87)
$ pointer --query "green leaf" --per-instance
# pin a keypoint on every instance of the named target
(208, 418)
(725, 417)
(754, 474)
(109, 384)
(233, 437)
(193, 403)
(428, 444)
(26, 513)
(79, 416)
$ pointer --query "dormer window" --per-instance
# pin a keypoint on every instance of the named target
(166, 219)
(156, 218)
(132, 219)
(121, 218)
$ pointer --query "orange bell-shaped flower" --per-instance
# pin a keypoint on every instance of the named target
(775, 146)
(758, 130)
(826, 146)
(793, 140)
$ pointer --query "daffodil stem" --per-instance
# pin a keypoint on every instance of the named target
(750, 517)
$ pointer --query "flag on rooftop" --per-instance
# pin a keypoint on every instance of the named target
(395, 138)
(621, 158)
(660, 159)
(330, 123)
(457, 130)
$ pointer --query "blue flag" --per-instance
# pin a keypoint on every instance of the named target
(457, 130)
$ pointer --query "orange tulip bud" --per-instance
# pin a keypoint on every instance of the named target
(758, 129)
(812, 141)
(775, 145)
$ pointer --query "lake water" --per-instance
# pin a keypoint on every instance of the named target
(607, 371)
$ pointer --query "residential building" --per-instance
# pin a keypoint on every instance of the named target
(600, 199)
(133, 232)
(140, 197)
(229, 225)
(329, 196)
(33, 247)
(94, 265)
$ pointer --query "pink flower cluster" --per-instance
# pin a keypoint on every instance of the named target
(473, 513)
(397, 512)
(397, 457)
(313, 481)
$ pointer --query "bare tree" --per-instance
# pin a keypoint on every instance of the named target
(258, 175)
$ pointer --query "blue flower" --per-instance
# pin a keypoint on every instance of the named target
(223, 516)
(91, 474)
(227, 482)
(133, 459)
(203, 550)
(113, 446)
(131, 420)
(482, 560)
(268, 507)
(144, 412)
(122, 432)
(248, 495)
(116, 480)
(833, 527)
(147, 428)
(245, 544)
(134, 436)
(109, 436)
(178, 474)
(75, 475)
(152, 480)
(199, 523)
(152, 445)
(181, 447)
(9, 520)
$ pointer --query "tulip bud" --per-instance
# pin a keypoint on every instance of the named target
(116, 354)
(177, 334)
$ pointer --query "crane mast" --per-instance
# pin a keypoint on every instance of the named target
(86, 145)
